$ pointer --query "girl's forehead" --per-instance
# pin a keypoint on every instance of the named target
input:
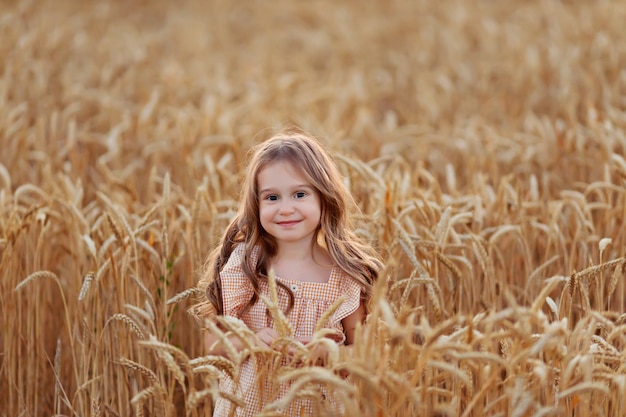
(281, 173)
(282, 166)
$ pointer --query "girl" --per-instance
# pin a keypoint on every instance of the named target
(292, 220)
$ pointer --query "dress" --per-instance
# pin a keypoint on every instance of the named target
(312, 299)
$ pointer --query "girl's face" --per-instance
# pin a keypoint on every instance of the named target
(289, 206)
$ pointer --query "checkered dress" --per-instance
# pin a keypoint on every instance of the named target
(312, 299)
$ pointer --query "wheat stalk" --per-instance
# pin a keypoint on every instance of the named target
(130, 322)
(115, 228)
(127, 363)
(218, 362)
(166, 353)
(283, 326)
(35, 276)
(86, 284)
(184, 295)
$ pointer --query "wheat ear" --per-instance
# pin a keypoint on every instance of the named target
(283, 327)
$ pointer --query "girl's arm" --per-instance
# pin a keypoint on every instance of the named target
(319, 354)
(349, 323)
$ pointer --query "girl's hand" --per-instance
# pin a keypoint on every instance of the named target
(317, 354)
(266, 336)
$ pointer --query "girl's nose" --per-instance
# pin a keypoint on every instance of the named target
(286, 207)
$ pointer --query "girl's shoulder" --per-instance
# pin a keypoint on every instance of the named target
(237, 289)
(348, 284)
(238, 254)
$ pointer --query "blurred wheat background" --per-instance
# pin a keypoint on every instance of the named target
(483, 140)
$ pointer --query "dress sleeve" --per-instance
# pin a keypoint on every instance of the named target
(236, 287)
(352, 293)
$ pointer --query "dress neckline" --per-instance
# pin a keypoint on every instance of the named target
(330, 278)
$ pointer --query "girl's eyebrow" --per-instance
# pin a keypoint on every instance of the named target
(265, 190)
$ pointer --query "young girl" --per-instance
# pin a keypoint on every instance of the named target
(292, 220)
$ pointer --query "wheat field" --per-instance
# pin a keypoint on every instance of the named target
(484, 142)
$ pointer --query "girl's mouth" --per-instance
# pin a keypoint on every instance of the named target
(289, 223)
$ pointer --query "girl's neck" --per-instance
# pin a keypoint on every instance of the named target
(296, 252)
(302, 262)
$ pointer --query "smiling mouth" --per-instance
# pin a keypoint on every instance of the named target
(289, 223)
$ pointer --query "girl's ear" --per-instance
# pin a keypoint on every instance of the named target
(321, 238)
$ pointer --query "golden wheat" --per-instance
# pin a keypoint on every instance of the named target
(483, 143)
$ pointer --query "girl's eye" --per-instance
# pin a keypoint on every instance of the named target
(300, 194)
(272, 197)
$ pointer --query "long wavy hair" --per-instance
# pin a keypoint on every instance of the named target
(357, 259)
